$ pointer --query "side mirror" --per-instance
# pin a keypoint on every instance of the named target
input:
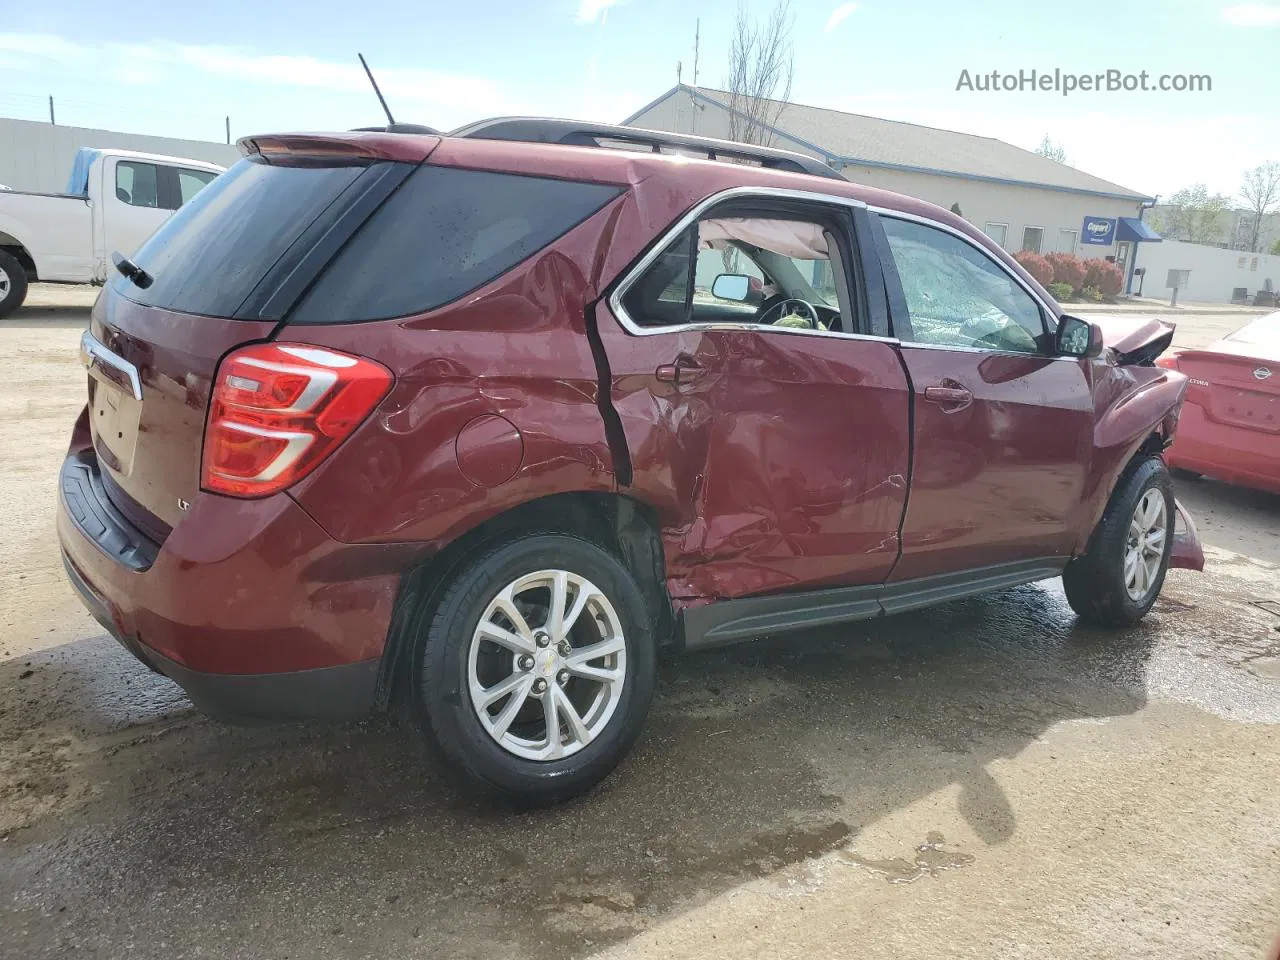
(1078, 338)
(732, 286)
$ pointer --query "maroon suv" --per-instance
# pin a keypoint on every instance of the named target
(485, 420)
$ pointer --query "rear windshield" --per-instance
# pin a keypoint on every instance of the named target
(1264, 331)
(212, 252)
(444, 233)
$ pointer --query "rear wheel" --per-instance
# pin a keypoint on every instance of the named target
(13, 284)
(1120, 575)
(536, 673)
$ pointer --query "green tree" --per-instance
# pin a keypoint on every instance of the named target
(1193, 214)
(1053, 151)
(1275, 248)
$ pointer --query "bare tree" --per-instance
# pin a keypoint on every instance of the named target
(761, 61)
(1260, 192)
(1192, 214)
(1051, 150)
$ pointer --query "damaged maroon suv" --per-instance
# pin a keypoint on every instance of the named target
(486, 420)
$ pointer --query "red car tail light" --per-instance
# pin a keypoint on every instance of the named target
(278, 409)
(1169, 361)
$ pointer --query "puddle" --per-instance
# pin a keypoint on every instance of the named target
(931, 858)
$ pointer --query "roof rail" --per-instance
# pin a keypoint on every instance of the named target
(583, 134)
(398, 128)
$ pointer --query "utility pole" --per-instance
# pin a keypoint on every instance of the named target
(52, 121)
(697, 35)
(228, 129)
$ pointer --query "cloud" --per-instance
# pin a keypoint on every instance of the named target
(838, 16)
(156, 62)
(589, 11)
(1252, 15)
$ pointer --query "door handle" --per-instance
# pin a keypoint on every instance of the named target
(955, 398)
(684, 370)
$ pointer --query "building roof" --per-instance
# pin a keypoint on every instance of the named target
(857, 140)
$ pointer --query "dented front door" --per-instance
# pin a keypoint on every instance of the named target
(776, 459)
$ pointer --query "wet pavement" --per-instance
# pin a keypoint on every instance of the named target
(985, 779)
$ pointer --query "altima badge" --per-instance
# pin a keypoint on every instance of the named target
(182, 504)
(1262, 373)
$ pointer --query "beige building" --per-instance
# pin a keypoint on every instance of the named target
(1021, 200)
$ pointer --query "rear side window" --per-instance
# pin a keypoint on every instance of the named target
(444, 233)
(208, 257)
(191, 182)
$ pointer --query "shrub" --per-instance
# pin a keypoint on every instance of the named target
(1035, 265)
(1068, 269)
(1103, 275)
(1112, 280)
(1092, 294)
(1061, 291)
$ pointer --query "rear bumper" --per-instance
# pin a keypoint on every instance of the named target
(1249, 458)
(249, 605)
(341, 692)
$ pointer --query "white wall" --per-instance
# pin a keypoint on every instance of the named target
(1214, 271)
(980, 202)
(38, 156)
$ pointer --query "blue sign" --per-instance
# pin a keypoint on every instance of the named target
(1098, 231)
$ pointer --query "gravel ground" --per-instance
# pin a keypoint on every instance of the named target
(987, 779)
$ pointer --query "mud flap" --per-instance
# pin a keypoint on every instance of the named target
(1186, 553)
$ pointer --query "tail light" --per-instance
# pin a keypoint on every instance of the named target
(1168, 361)
(279, 409)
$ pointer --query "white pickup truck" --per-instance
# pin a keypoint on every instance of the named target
(115, 199)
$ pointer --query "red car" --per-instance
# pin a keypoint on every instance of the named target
(1230, 425)
(485, 420)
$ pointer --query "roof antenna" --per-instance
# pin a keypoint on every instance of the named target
(385, 109)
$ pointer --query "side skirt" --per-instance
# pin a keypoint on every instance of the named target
(728, 621)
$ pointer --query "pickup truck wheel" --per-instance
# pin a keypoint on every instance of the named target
(537, 670)
(1119, 576)
(13, 284)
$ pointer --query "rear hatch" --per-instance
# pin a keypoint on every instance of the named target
(1233, 389)
(222, 272)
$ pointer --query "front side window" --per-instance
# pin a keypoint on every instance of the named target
(137, 184)
(781, 272)
(958, 296)
(1032, 239)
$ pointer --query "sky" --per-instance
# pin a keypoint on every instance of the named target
(271, 65)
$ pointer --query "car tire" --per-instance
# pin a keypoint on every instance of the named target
(1104, 585)
(458, 664)
(13, 284)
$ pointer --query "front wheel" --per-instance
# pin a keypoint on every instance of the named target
(13, 284)
(1122, 570)
(536, 673)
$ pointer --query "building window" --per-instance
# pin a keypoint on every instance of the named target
(1032, 238)
(1067, 240)
(999, 232)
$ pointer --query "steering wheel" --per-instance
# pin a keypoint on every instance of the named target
(815, 321)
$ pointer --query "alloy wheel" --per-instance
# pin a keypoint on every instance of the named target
(5, 284)
(546, 665)
(1144, 546)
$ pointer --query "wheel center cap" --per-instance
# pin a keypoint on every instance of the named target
(546, 661)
